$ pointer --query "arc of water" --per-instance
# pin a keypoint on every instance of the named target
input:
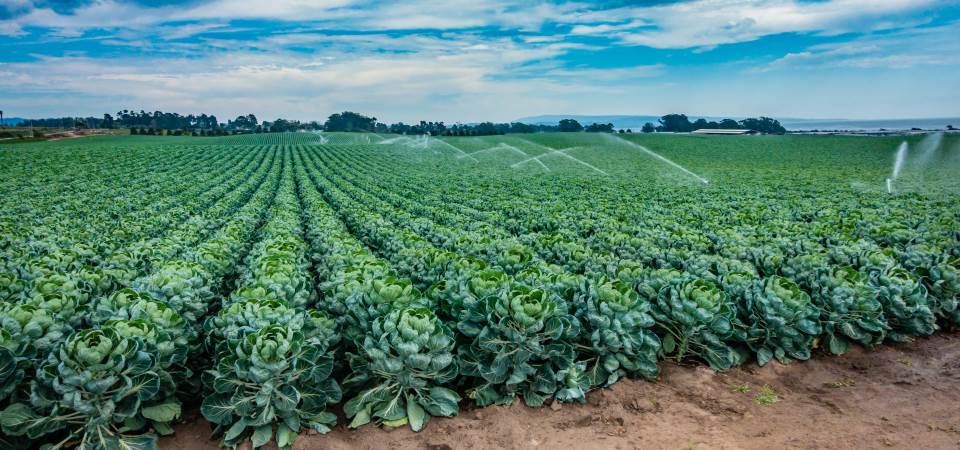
(513, 149)
(392, 140)
(323, 139)
(897, 165)
(458, 149)
(488, 149)
(660, 157)
(532, 158)
(898, 161)
(510, 147)
(537, 144)
(551, 149)
(929, 146)
(505, 146)
(498, 147)
(561, 152)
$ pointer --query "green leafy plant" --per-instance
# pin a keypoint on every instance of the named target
(519, 343)
(943, 280)
(376, 299)
(182, 285)
(850, 311)
(617, 332)
(698, 319)
(94, 389)
(906, 306)
(271, 384)
(407, 357)
(783, 321)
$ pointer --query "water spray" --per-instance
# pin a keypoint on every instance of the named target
(897, 165)
(661, 158)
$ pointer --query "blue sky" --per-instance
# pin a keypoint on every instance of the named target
(470, 60)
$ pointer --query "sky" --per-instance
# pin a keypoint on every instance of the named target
(473, 60)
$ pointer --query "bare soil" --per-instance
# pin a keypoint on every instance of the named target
(899, 396)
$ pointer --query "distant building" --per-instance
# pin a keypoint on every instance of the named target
(723, 131)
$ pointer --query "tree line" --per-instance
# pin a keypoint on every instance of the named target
(679, 123)
(351, 121)
(158, 122)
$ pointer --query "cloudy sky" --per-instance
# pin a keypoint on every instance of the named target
(470, 60)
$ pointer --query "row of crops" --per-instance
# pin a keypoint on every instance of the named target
(284, 281)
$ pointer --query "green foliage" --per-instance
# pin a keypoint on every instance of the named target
(417, 271)
(698, 319)
(783, 322)
(182, 285)
(617, 331)
(520, 342)
(95, 388)
(850, 311)
(906, 305)
(943, 281)
(405, 359)
(375, 299)
(272, 377)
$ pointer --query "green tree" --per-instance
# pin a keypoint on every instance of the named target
(570, 125)
(349, 121)
(677, 123)
(599, 128)
(764, 125)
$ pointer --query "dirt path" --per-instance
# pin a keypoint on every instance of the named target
(903, 396)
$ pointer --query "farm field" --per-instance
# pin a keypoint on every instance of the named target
(275, 284)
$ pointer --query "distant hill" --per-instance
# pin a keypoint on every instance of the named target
(617, 121)
(790, 123)
(634, 122)
(870, 125)
(11, 121)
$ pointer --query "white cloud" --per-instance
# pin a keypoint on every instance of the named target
(336, 14)
(931, 46)
(466, 74)
(706, 23)
(358, 60)
(11, 29)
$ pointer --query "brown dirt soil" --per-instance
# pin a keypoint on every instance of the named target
(900, 396)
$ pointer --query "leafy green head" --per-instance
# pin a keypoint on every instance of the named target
(702, 294)
(487, 282)
(849, 275)
(617, 295)
(159, 314)
(63, 307)
(530, 307)
(270, 350)
(415, 323)
(393, 291)
(787, 291)
(629, 271)
(946, 275)
(95, 349)
(32, 324)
